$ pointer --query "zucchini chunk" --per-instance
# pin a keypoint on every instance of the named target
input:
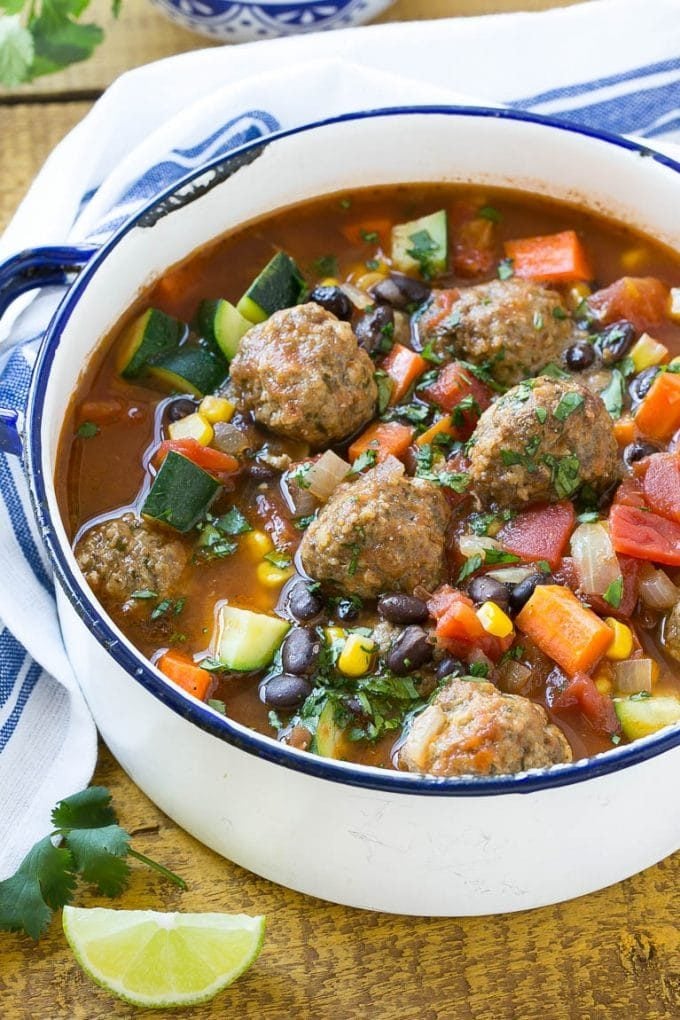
(152, 335)
(640, 717)
(329, 740)
(422, 245)
(181, 493)
(245, 640)
(189, 370)
(222, 325)
(279, 285)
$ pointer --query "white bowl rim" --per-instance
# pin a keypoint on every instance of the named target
(212, 722)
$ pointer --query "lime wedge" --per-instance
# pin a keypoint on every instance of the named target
(159, 960)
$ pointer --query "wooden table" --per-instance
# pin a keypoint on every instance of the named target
(612, 954)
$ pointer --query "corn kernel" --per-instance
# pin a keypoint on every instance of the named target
(622, 645)
(271, 576)
(634, 259)
(258, 543)
(578, 293)
(356, 655)
(330, 281)
(647, 352)
(370, 279)
(494, 620)
(602, 678)
(194, 426)
(674, 304)
(334, 634)
(216, 409)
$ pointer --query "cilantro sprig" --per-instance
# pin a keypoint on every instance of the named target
(94, 848)
(39, 37)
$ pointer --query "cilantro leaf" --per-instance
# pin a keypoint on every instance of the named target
(85, 810)
(87, 430)
(16, 50)
(99, 855)
(569, 403)
(43, 882)
(612, 395)
(614, 593)
(505, 269)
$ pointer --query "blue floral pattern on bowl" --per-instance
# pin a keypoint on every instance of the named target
(246, 21)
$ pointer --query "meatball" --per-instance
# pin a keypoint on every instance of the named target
(541, 442)
(124, 555)
(514, 326)
(303, 375)
(383, 532)
(473, 729)
(671, 632)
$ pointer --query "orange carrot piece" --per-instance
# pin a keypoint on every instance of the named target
(374, 231)
(389, 438)
(559, 258)
(443, 427)
(185, 673)
(624, 430)
(658, 416)
(403, 367)
(564, 629)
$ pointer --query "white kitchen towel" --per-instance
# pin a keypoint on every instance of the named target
(611, 64)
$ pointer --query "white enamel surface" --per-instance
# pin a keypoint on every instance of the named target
(387, 851)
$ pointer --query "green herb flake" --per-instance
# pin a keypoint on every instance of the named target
(326, 265)
(87, 430)
(430, 354)
(369, 236)
(472, 564)
(367, 459)
(488, 212)
(424, 246)
(553, 371)
(506, 269)
(614, 593)
(345, 203)
(144, 593)
(279, 559)
(274, 720)
(302, 523)
(559, 313)
(616, 738)
(541, 415)
(613, 395)
(568, 404)
(233, 523)
(479, 669)
(372, 264)
(588, 517)
(385, 387)
(217, 705)
(565, 474)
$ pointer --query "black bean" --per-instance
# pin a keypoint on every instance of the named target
(641, 384)
(300, 651)
(579, 356)
(302, 603)
(450, 667)
(410, 650)
(347, 610)
(334, 300)
(375, 328)
(415, 290)
(488, 589)
(523, 591)
(180, 408)
(388, 292)
(285, 691)
(615, 341)
(402, 609)
(260, 472)
(636, 451)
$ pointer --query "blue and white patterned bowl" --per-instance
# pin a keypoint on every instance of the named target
(245, 21)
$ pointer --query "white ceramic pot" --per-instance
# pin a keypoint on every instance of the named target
(356, 835)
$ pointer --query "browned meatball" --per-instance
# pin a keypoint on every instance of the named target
(124, 555)
(383, 532)
(542, 441)
(303, 375)
(473, 729)
(671, 632)
(514, 326)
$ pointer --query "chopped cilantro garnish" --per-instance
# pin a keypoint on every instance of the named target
(325, 265)
(278, 559)
(367, 459)
(553, 371)
(300, 476)
(614, 593)
(233, 523)
(479, 669)
(369, 236)
(302, 523)
(568, 404)
(218, 705)
(430, 355)
(487, 212)
(541, 415)
(588, 517)
(505, 269)
(273, 720)
(559, 313)
(144, 593)
(422, 251)
(87, 430)
(472, 564)
(613, 395)
(385, 386)
(372, 264)
(565, 474)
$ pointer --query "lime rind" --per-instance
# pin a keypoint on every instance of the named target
(162, 960)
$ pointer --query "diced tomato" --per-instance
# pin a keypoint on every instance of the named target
(540, 533)
(580, 692)
(556, 258)
(629, 493)
(643, 300)
(566, 573)
(644, 535)
(276, 522)
(662, 484)
(455, 384)
(630, 572)
(213, 461)
(472, 240)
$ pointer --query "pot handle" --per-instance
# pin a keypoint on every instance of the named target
(29, 270)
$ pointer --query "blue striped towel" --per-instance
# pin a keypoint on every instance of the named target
(612, 64)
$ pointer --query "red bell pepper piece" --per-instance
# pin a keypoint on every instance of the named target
(213, 461)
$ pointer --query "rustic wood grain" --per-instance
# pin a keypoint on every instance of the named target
(613, 954)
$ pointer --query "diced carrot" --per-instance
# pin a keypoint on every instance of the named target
(374, 231)
(100, 412)
(624, 430)
(213, 461)
(442, 427)
(185, 673)
(559, 258)
(658, 416)
(388, 438)
(642, 300)
(403, 366)
(564, 629)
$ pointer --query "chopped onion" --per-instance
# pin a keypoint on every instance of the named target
(361, 299)
(476, 545)
(633, 675)
(596, 563)
(513, 677)
(511, 575)
(656, 588)
(230, 439)
(326, 474)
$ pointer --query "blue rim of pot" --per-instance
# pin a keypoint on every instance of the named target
(84, 603)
